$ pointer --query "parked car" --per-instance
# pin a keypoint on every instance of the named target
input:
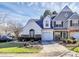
(75, 36)
(4, 38)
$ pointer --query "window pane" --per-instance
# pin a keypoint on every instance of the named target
(75, 21)
(58, 22)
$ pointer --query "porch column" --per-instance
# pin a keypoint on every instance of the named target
(62, 34)
(68, 34)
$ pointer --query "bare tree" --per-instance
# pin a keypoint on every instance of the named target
(3, 17)
(15, 28)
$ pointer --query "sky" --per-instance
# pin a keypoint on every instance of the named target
(23, 11)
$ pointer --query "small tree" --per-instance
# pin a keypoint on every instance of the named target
(54, 12)
(3, 17)
(47, 12)
(15, 28)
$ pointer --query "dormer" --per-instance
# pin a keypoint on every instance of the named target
(46, 22)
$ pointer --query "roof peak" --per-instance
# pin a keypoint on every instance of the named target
(75, 13)
(66, 8)
(74, 16)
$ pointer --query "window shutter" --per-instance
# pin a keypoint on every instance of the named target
(54, 23)
(62, 23)
(78, 21)
(70, 22)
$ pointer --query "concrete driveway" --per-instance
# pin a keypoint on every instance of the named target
(57, 50)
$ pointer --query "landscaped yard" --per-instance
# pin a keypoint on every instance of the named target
(73, 47)
(70, 44)
(76, 49)
(17, 48)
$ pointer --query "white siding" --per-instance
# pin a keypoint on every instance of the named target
(65, 24)
(48, 20)
(31, 25)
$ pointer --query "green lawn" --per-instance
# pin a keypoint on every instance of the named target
(16, 48)
(76, 49)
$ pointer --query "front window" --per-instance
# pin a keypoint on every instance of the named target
(32, 32)
(58, 24)
(74, 22)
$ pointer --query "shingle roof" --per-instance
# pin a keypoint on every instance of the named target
(64, 14)
(66, 8)
(40, 23)
(74, 16)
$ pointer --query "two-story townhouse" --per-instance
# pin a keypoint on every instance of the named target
(53, 28)
(60, 23)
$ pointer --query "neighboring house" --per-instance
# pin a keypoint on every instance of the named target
(52, 28)
(31, 30)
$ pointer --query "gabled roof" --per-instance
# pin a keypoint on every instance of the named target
(40, 23)
(64, 14)
(66, 8)
(74, 16)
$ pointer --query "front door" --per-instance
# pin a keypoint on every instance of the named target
(57, 36)
(32, 32)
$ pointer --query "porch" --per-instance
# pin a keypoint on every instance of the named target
(60, 35)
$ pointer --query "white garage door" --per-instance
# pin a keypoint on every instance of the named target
(47, 36)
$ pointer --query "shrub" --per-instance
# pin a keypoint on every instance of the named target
(64, 41)
(69, 41)
(74, 41)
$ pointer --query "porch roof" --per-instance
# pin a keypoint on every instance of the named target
(60, 30)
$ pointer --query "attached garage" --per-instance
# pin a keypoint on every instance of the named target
(47, 35)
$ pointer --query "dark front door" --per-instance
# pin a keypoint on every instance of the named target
(32, 33)
(57, 36)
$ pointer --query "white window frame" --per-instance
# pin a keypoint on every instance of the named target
(58, 22)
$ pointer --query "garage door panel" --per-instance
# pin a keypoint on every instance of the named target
(47, 36)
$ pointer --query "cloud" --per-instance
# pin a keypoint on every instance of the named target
(24, 11)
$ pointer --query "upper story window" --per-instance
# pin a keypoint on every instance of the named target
(58, 23)
(47, 24)
(74, 22)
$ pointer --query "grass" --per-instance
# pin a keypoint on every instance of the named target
(76, 49)
(16, 48)
(70, 48)
(73, 48)
(19, 50)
